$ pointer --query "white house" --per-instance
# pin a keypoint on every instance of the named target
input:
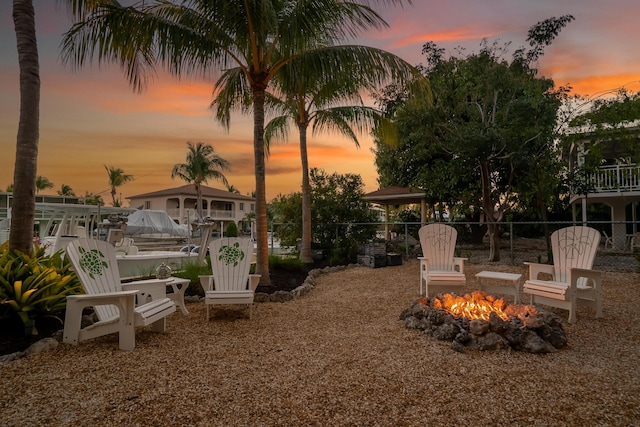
(181, 203)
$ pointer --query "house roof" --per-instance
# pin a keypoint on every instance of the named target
(395, 195)
(190, 190)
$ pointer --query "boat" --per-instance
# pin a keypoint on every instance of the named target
(67, 222)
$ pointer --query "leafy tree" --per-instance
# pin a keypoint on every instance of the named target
(66, 190)
(491, 121)
(287, 209)
(339, 214)
(600, 120)
(9, 188)
(257, 37)
(202, 164)
(43, 183)
(117, 178)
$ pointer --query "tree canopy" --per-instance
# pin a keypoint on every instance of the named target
(489, 130)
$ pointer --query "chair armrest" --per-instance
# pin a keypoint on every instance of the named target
(76, 303)
(576, 273)
(459, 262)
(206, 281)
(100, 299)
(535, 269)
(254, 281)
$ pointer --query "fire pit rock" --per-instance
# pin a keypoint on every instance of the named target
(526, 328)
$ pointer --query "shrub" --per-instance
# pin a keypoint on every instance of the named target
(192, 271)
(35, 285)
(231, 230)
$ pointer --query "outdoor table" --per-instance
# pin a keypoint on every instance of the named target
(515, 279)
(178, 292)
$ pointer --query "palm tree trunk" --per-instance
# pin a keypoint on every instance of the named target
(305, 251)
(25, 171)
(262, 261)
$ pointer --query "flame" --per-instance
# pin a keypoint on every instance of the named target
(475, 306)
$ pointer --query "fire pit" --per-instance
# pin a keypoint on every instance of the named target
(482, 322)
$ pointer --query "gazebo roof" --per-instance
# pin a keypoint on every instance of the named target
(395, 195)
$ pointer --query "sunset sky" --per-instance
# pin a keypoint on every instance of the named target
(92, 117)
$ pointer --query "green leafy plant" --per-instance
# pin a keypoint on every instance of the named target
(232, 230)
(191, 271)
(35, 285)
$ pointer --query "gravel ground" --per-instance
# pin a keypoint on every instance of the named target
(338, 356)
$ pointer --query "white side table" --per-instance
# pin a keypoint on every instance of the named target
(515, 279)
(178, 292)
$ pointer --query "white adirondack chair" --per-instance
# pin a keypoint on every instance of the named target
(440, 270)
(230, 282)
(94, 261)
(573, 282)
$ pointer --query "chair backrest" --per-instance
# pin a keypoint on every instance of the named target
(438, 242)
(230, 262)
(573, 247)
(94, 262)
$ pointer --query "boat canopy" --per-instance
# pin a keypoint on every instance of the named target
(154, 223)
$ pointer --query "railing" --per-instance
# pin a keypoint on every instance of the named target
(616, 178)
(214, 214)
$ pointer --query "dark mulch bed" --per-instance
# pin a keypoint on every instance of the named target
(14, 337)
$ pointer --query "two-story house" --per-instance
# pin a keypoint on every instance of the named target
(181, 204)
(616, 184)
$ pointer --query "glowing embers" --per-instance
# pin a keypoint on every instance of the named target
(478, 305)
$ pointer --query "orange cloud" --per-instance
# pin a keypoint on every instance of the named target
(453, 35)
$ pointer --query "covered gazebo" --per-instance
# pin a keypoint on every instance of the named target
(396, 195)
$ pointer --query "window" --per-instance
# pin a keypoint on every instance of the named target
(147, 204)
(241, 206)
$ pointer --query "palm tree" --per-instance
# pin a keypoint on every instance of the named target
(43, 183)
(202, 164)
(92, 199)
(232, 189)
(117, 178)
(321, 101)
(24, 173)
(259, 37)
(66, 190)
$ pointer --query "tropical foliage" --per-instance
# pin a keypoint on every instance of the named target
(34, 285)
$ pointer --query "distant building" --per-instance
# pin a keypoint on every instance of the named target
(181, 204)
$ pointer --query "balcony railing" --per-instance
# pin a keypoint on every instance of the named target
(616, 178)
(214, 214)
